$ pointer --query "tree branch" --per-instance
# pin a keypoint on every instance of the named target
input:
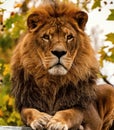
(105, 79)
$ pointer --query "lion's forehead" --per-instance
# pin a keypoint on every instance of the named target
(56, 27)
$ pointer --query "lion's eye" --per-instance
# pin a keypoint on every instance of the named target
(70, 37)
(46, 37)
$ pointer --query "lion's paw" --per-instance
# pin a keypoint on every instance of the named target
(56, 125)
(40, 123)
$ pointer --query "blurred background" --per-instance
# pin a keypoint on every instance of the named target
(13, 15)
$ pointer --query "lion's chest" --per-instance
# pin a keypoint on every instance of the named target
(51, 101)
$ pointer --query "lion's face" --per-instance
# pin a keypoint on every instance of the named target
(57, 47)
(56, 39)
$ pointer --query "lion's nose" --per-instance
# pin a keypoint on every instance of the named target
(59, 54)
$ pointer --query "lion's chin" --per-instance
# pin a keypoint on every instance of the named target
(58, 70)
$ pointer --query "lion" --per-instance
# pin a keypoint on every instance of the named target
(54, 73)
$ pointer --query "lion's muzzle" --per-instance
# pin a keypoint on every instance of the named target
(58, 68)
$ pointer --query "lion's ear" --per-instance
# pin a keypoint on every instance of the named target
(81, 18)
(32, 21)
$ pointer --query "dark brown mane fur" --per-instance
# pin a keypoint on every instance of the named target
(33, 87)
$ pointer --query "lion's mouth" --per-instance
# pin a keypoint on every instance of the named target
(58, 69)
(58, 65)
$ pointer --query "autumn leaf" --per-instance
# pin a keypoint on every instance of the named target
(1, 113)
(111, 16)
(18, 5)
(110, 37)
(97, 3)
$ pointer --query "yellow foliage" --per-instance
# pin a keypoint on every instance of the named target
(6, 69)
(18, 5)
(1, 113)
(9, 100)
(8, 114)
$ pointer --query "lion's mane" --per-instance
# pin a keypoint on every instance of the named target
(34, 87)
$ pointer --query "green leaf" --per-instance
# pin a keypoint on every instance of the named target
(97, 3)
(2, 121)
(103, 55)
(111, 16)
(110, 37)
(110, 58)
(111, 50)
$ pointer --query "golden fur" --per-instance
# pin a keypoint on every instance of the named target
(54, 72)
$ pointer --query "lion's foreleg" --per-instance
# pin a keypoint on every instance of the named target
(66, 119)
(34, 118)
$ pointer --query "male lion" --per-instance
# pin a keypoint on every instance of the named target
(54, 72)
